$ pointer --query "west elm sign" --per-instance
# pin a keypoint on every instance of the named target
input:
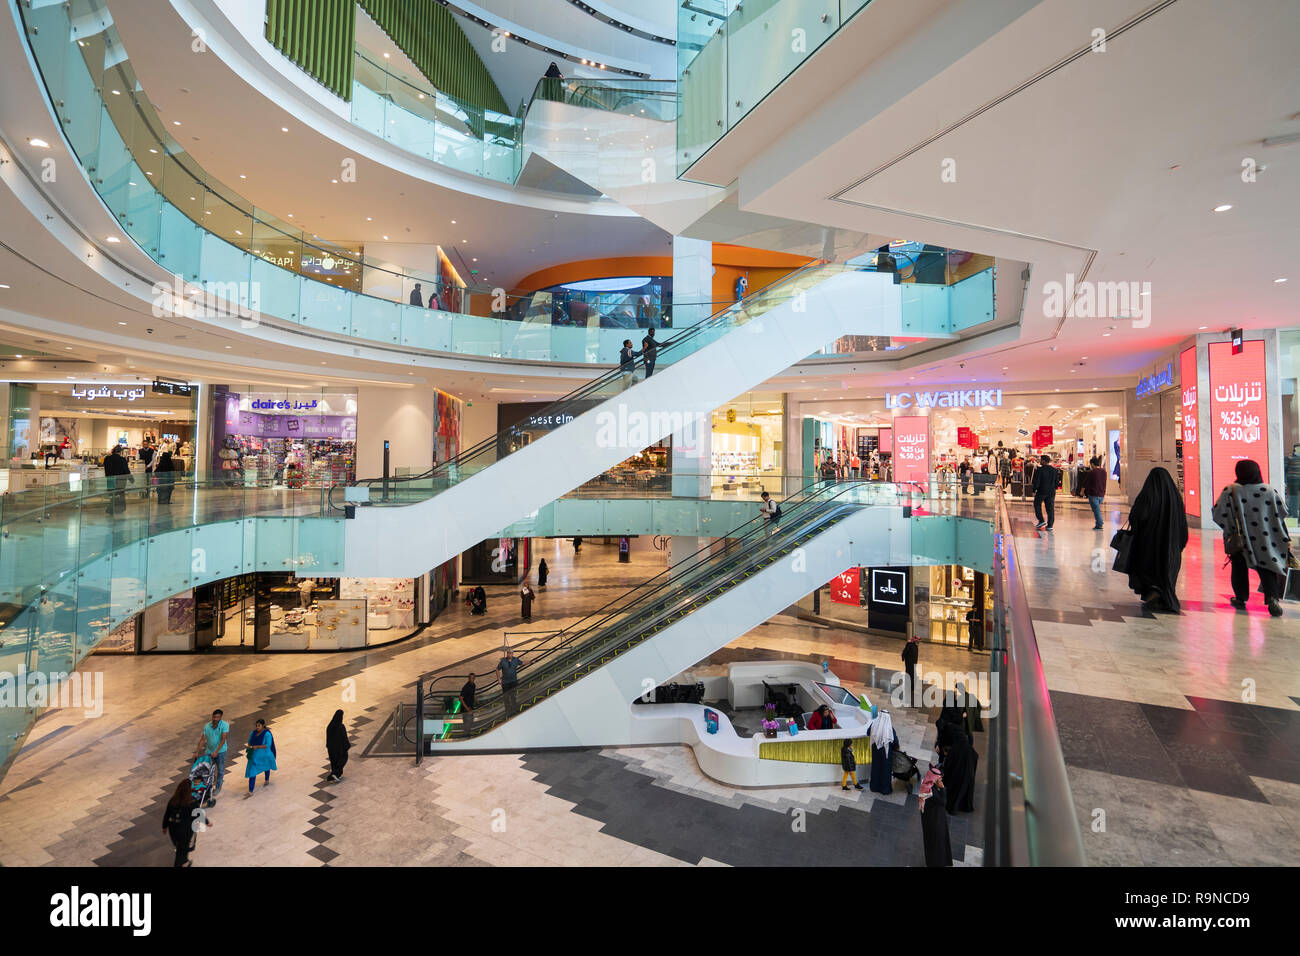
(1160, 378)
(956, 398)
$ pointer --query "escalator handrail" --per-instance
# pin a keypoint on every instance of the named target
(494, 441)
(544, 679)
(703, 570)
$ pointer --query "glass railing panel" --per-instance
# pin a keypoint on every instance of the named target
(278, 292)
(368, 109)
(222, 263)
(221, 553)
(925, 309)
(973, 300)
(169, 558)
(113, 168)
(375, 319)
(325, 308)
(526, 340)
(409, 131)
(766, 41)
(575, 344)
(475, 335)
(459, 150)
(83, 78)
(319, 548)
(228, 221)
(426, 328)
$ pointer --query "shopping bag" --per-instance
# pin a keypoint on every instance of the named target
(1122, 542)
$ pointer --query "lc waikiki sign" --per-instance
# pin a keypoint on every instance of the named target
(951, 398)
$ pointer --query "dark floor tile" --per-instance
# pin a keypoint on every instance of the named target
(1235, 723)
(1270, 768)
(1229, 782)
(319, 835)
(1143, 768)
(322, 853)
(1175, 723)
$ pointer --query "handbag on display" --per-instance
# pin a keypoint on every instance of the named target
(1122, 542)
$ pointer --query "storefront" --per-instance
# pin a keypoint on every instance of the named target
(281, 439)
(748, 442)
(1289, 366)
(280, 612)
(497, 561)
(68, 427)
(944, 605)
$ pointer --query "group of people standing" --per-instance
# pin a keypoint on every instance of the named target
(185, 814)
(1252, 516)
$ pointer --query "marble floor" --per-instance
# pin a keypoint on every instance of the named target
(1181, 733)
(90, 790)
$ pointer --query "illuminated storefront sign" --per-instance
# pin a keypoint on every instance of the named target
(955, 398)
(1238, 410)
(1160, 378)
(1191, 433)
(889, 587)
(90, 393)
(911, 449)
(286, 406)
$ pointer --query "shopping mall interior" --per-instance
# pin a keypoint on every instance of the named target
(649, 422)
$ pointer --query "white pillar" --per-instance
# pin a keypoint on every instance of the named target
(692, 280)
(403, 417)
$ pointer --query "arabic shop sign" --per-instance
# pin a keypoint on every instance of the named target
(953, 398)
(286, 406)
(90, 393)
(1160, 378)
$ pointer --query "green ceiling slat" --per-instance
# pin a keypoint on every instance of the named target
(318, 36)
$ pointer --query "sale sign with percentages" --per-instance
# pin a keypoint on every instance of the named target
(1238, 410)
(846, 588)
(1191, 433)
(966, 438)
(912, 449)
(1042, 436)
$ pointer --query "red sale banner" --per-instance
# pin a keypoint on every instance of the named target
(1191, 436)
(886, 439)
(1238, 410)
(965, 438)
(1042, 436)
(912, 449)
(846, 588)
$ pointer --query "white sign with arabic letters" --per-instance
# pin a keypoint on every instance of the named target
(92, 393)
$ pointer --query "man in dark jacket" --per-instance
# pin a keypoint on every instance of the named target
(627, 357)
(1046, 478)
(116, 469)
(1094, 486)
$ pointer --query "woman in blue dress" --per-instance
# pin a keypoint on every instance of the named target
(883, 743)
(260, 756)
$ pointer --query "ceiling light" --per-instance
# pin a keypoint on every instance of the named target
(1279, 280)
(3, 285)
(67, 348)
(386, 56)
(242, 176)
(117, 92)
(1223, 207)
(229, 346)
(284, 129)
(334, 181)
(114, 239)
(121, 323)
(38, 142)
(385, 237)
(453, 222)
(176, 122)
(370, 219)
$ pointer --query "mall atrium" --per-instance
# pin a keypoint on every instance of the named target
(650, 433)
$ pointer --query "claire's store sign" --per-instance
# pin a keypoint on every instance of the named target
(1160, 378)
(951, 398)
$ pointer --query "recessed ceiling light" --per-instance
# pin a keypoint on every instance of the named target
(121, 323)
(1202, 328)
(453, 222)
(1279, 280)
(229, 346)
(67, 348)
(242, 176)
(114, 239)
(3, 285)
(117, 92)
(176, 122)
(284, 129)
(386, 56)
(38, 142)
(385, 237)
(370, 219)
(334, 181)
(1223, 207)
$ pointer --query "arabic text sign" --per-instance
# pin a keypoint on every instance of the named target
(1042, 436)
(1160, 378)
(846, 588)
(1238, 410)
(1191, 433)
(119, 393)
(888, 587)
(911, 449)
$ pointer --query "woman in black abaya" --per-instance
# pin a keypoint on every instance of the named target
(1159, 535)
(959, 763)
(337, 745)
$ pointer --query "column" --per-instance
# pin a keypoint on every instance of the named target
(692, 280)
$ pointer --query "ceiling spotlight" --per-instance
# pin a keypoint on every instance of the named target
(1223, 207)
(176, 122)
(38, 142)
(284, 129)
(1279, 280)
(114, 239)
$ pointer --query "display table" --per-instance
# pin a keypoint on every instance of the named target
(289, 642)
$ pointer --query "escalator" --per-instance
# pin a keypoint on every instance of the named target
(500, 480)
(576, 687)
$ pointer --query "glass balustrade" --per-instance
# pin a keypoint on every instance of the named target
(77, 561)
(233, 261)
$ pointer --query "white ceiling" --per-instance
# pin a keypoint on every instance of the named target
(1111, 165)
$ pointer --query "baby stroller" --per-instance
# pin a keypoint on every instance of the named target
(202, 780)
(904, 768)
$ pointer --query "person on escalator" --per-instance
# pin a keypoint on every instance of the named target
(508, 668)
(770, 510)
(627, 364)
(649, 351)
(467, 692)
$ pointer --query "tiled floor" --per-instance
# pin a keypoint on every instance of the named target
(1181, 733)
(91, 791)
